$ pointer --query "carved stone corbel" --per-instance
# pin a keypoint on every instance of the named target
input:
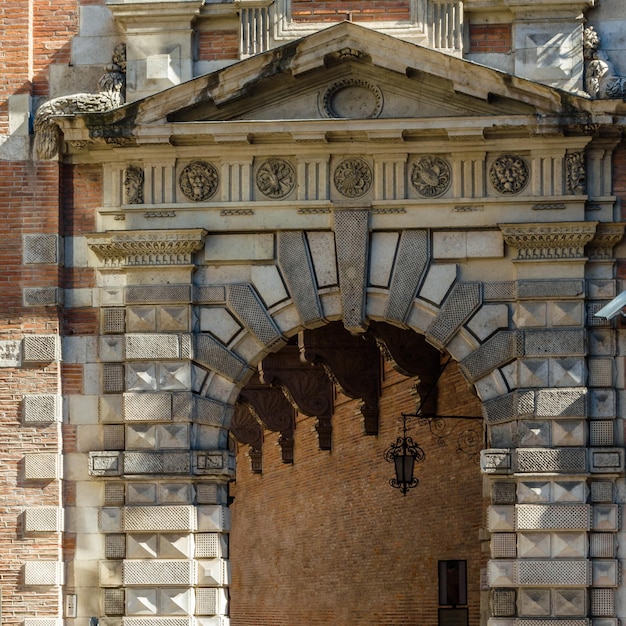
(411, 355)
(245, 429)
(607, 236)
(270, 405)
(351, 361)
(306, 385)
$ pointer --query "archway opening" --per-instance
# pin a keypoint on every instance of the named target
(318, 535)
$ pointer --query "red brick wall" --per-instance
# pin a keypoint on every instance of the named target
(337, 10)
(216, 45)
(490, 38)
(34, 35)
(28, 205)
(327, 541)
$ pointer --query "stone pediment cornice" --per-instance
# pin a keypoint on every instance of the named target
(147, 248)
(549, 242)
(308, 61)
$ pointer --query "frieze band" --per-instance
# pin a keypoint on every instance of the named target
(430, 176)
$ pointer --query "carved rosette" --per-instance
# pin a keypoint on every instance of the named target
(199, 181)
(276, 178)
(606, 237)
(149, 248)
(431, 176)
(353, 177)
(509, 174)
(549, 242)
(352, 98)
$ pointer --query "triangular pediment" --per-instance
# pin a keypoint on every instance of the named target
(348, 71)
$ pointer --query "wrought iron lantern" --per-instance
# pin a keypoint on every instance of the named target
(404, 454)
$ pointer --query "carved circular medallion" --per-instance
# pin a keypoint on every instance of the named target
(431, 176)
(276, 178)
(198, 181)
(353, 98)
(509, 174)
(353, 177)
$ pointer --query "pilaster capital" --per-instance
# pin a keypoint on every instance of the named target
(550, 241)
(147, 247)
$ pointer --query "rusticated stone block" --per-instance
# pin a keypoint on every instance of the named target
(551, 460)
(213, 572)
(213, 518)
(534, 602)
(553, 516)
(158, 294)
(602, 403)
(152, 346)
(503, 545)
(602, 602)
(503, 493)
(544, 289)
(561, 402)
(499, 350)
(112, 378)
(554, 342)
(42, 409)
(147, 407)
(214, 355)
(41, 249)
(110, 519)
(569, 602)
(602, 545)
(606, 460)
(43, 519)
(42, 296)
(158, 572)
(114, 494)
(601, 491)
(211, 545)
(110, 573)
(105, 463)
(113, 321)
(41, 348)
(42, 466)
(114, 601)
(553, 573)
(115, 546)
(158, 519)
(503, 602)
(605, 573)
(43, 573)
(247, 306)
(460, 304)
(495, 461)
(409, 267)
(606, 517)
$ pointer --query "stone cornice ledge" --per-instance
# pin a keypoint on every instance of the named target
(147, 247)
(549, 242)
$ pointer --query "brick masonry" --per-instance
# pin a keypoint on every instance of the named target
(331, 542)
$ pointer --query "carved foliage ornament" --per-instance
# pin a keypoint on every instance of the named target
(111, 95)
(198, 181)
(276, 178)
(431, 176)
(576, 177)
(353, 177)
(509, 174)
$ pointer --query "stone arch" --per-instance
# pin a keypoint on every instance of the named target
(521, 343)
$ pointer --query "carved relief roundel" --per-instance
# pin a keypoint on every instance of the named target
(353, 177)
(352, 98)
(199, 181)
(431, 176)
(509, 174)
(276, 178)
